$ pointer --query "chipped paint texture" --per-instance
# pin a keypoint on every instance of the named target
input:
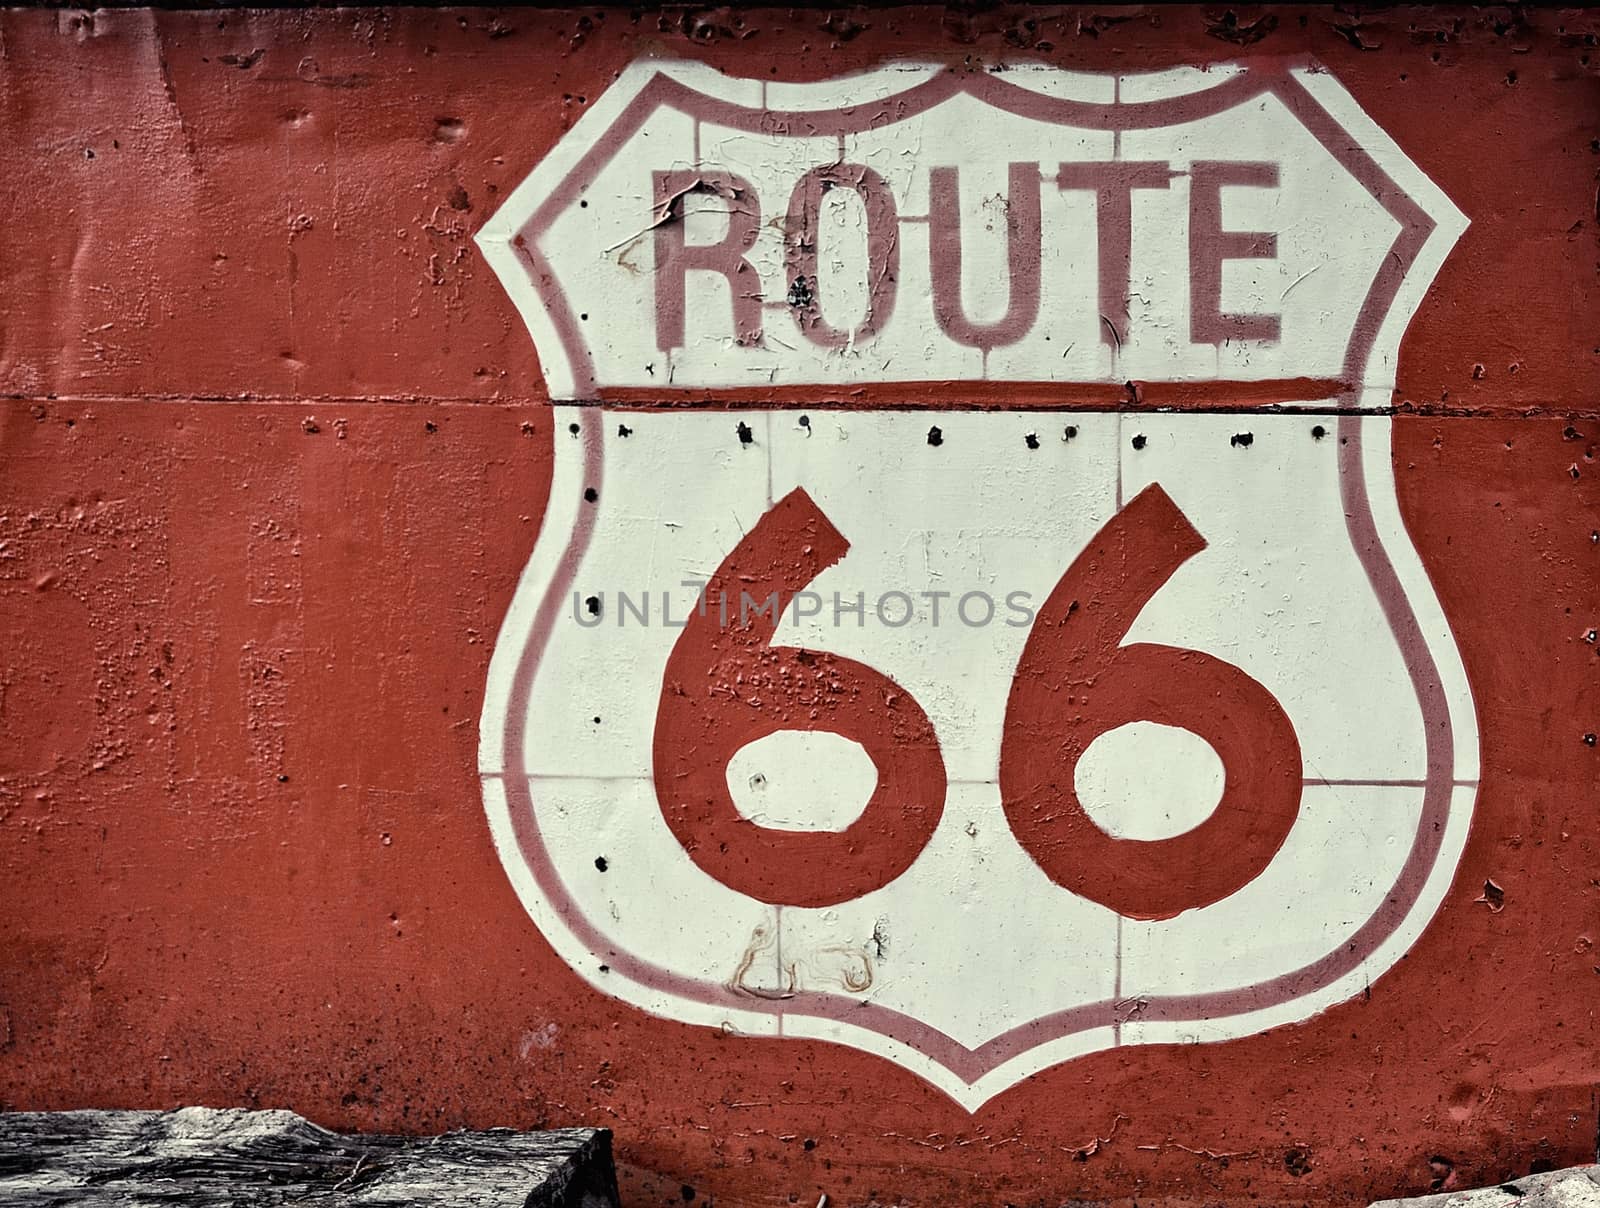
(283, 495)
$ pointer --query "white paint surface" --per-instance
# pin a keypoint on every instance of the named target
(1149, 781)
(802, 780)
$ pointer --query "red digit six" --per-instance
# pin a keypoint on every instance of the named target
(726, 685)
(1075, 681)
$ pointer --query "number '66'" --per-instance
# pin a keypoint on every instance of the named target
(727, 686)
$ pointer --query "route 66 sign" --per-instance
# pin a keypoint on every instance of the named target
(973, 621)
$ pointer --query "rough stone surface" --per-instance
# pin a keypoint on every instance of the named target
(256, 1159)
(1578, 1187)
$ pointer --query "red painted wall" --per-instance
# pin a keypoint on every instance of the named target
(274, 451)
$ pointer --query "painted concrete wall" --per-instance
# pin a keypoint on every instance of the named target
(410, 412)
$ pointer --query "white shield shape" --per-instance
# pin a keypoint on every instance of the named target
(977, 735)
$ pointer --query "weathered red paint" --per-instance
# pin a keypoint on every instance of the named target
(276, 451)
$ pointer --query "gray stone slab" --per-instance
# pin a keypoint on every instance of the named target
(206, 1156)
(1575, 1187)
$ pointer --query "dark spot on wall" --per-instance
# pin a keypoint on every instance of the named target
(1442, 1168)
(1297, 1162)
(1351, 33)
(880, 939)
(844, 27)
(1228, 28)
(601, 863)
(1031, 440)
(1070, 432)
(1138, 441)
(590, 494)
(573, 428)
(1242, 440)
(935, 436)
(746, 436)
(1318, 432)
(624, 430)
(592, 605)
